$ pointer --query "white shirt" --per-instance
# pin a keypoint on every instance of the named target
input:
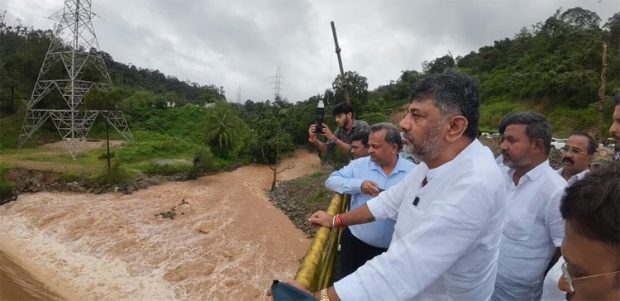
(446, 246)
(574, 178)
(532, 231)
(551, 292)
(349, 179)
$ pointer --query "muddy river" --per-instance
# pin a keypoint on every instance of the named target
(214, 238)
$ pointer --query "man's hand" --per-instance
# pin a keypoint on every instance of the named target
(370, 188)
(321, 218)
(328, 133)
(312, 133)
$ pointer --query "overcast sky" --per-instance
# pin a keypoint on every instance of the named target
(240, 44)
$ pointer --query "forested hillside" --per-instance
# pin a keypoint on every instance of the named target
(552, 67)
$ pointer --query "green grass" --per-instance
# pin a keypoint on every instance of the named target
(5, 187)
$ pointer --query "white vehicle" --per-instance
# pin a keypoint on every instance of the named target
(557, 143)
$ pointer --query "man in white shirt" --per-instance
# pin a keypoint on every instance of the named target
(363, 179)
(533, 229)
(577, 155)
(448, 211)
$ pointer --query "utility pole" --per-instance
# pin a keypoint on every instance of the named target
(601, 93)
(344, 82)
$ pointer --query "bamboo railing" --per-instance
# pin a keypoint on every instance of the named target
(315, 271)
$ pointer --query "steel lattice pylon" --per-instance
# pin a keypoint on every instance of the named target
(74, 47)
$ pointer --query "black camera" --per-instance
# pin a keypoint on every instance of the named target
(320, 114)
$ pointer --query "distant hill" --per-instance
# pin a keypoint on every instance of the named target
(22, 50)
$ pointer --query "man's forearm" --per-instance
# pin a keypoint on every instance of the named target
(343, 146)
(321, 146)
(359, 215)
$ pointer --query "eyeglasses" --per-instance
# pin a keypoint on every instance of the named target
(567, 277)
(574, 150)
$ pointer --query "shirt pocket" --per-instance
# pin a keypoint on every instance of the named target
(519, 228)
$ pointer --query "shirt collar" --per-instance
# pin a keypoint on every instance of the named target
(400, 165)
(467, 152)
(577, 176)
(535, 172)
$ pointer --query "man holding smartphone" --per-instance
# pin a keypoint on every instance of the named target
(341, 138)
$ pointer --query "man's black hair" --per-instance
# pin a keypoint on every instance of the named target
(536, 126)
(592, 143)
(342, 108)
(592, 205)
(453, 93)
(362, 136)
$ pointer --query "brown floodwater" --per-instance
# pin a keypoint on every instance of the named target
(214, 238)
(17, 284)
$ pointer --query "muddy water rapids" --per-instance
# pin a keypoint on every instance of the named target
(226, 241)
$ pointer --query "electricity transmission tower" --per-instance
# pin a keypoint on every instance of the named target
(276, 85)
(71, 68)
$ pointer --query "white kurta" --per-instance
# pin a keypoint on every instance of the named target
(447, 234)
(534, 228)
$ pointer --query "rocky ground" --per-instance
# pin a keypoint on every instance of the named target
(301, 197)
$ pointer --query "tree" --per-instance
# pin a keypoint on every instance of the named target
(357, 86)
(439, 65)
(226, 133)
(578, 18)
(104, 101)
(272, 142)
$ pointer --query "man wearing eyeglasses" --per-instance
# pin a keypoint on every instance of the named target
(591, 246)
(577, 155)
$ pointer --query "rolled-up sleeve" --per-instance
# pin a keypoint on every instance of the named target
(345, 179)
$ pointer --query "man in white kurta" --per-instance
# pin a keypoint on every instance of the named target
(448, 211)
(446, 237)
(533, 229)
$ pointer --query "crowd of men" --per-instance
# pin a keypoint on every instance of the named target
(463, 224)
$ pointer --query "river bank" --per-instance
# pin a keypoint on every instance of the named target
(214, 238)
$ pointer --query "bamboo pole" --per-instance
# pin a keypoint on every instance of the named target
(309, 272)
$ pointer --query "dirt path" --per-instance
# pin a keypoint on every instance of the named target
(226, 241)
